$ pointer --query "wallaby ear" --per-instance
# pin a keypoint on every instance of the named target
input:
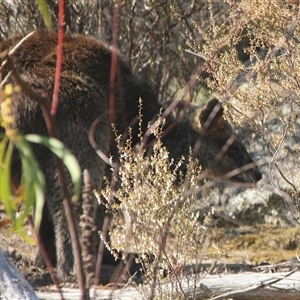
(211, 117)
(180, 106)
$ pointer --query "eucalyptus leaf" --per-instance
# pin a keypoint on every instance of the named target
(65, 155)
(45, 13)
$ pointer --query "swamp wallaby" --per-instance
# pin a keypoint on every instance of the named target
(83, 97)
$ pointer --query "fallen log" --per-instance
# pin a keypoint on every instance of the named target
(246, 285)
(249, 285)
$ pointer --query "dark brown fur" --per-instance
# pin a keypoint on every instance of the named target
(83, 97)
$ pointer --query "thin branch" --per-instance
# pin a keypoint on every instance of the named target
(59, 58)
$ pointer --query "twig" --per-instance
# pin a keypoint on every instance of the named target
(59, 57)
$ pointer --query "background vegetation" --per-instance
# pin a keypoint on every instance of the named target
(246, 52)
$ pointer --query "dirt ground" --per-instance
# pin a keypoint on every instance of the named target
(261, 248)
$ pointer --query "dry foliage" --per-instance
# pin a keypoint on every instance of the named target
(153, 37)
(155, 213)
(265, 89)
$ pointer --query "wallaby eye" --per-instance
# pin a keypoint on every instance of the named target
(234, 149)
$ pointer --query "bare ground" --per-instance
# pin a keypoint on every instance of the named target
(262, 248)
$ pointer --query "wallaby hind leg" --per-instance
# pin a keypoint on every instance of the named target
(65, 257)
(56, 240)
(61, 250)
(47, 236)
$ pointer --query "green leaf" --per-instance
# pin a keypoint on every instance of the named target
(34, 184)
(65, 155)
(31, 190)
(45, 12)
(5, 188)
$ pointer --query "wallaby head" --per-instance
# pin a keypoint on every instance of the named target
(219, 150)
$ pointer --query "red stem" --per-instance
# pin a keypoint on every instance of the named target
(59, 56)
(114, 57)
